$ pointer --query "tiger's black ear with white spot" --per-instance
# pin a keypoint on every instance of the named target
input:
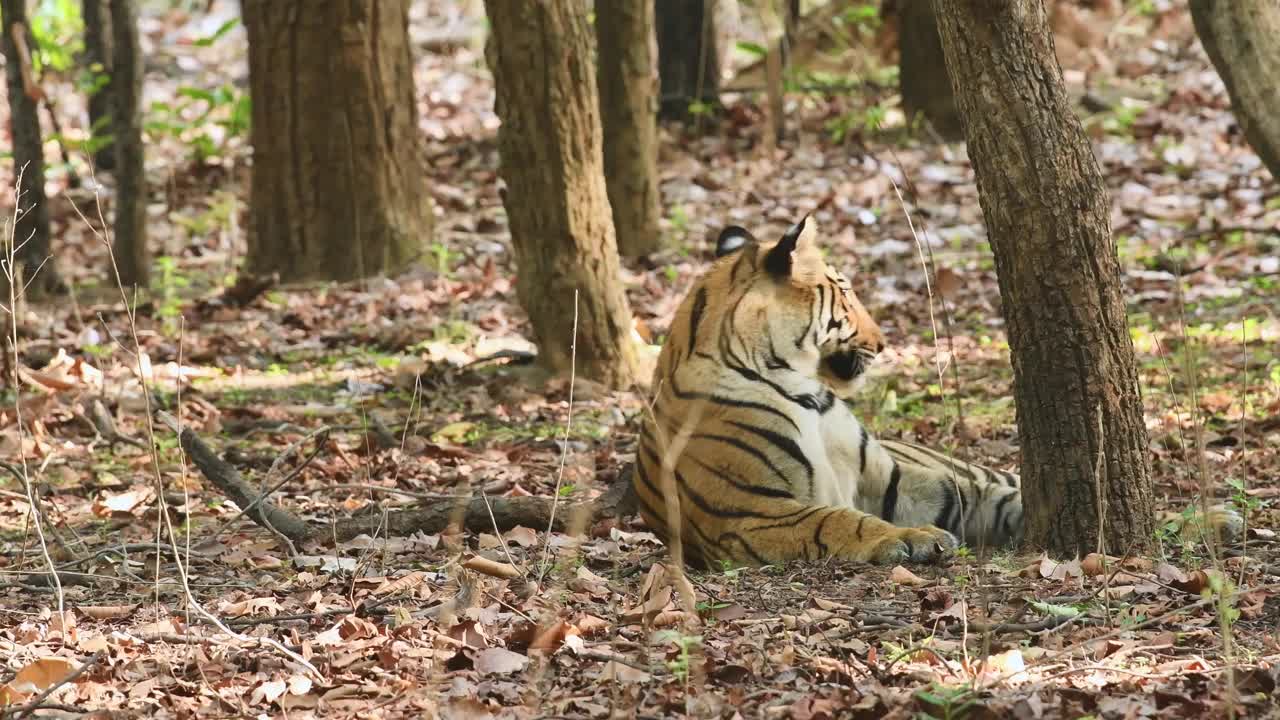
(733, 239)
(778, 260)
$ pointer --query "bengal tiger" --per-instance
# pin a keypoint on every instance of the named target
(749, 427)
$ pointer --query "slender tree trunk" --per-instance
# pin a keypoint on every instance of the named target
(688, 61)
(1242, 38)
(97, 60)
(129, 247)
(339, 187)
(551, 159)
(922, 71)
(1048, 219)
(628, 76)
(30, 234)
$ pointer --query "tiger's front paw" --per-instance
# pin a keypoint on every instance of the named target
(921, 544)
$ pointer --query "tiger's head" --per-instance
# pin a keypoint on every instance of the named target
(780, 307)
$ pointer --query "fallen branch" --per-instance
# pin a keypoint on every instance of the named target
(471, 514)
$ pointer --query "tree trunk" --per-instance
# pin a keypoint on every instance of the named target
(97, 59)
(922, 71)
(549, 145)
(1048, 218)
(339, 188)
(1242, 41)
(628, 75)
(129, 247)
(30, 235)
(688, 62)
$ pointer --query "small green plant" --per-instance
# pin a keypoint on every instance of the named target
(197, 110)
(1240, 496)
(685, 644)
(188, 119)
(168, 300)
(679, 225)
(867, 120)
(444, 258)
(1123, 117)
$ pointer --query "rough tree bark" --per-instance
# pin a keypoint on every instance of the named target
(1242, 39)
(922, 71)
(97, 60)
(129, 246)
(339, 189)
(628, 78)
(31, 233)
(688, 61)
(549, 144)
(1048, 219)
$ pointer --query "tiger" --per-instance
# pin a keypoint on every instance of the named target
(748, 426)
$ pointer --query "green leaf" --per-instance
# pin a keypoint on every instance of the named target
(223, 29)
(197, 94)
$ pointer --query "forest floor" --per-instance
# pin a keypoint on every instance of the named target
(361, 399)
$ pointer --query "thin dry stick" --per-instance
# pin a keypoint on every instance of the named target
(38, 701)
(937, 349)
(1208, 534)
(130, 315)
(564, 450)
(498, 533)
(33, 500)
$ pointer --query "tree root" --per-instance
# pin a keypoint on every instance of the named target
(472, 514)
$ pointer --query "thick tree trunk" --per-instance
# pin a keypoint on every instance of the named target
(922, 71)
(1048, 218)
(129, 246)
(339, 187)
(1242, 39)
(30, 234)
(628, 74)
(688, 61)
(97, 59)
(551, 159)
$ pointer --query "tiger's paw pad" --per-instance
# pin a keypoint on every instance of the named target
(919, 545)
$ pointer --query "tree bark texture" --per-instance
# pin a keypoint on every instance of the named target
(1242, 38)
(922, 71)
(628, 74)
(688, 61)
(129, 246)
(339, 187)
(31, 232)
(1048, 219)
(550, 154)
(98, 60)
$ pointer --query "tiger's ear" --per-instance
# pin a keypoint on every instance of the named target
(732, 239)
(795, 254)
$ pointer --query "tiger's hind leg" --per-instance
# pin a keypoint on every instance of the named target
(912, 485)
